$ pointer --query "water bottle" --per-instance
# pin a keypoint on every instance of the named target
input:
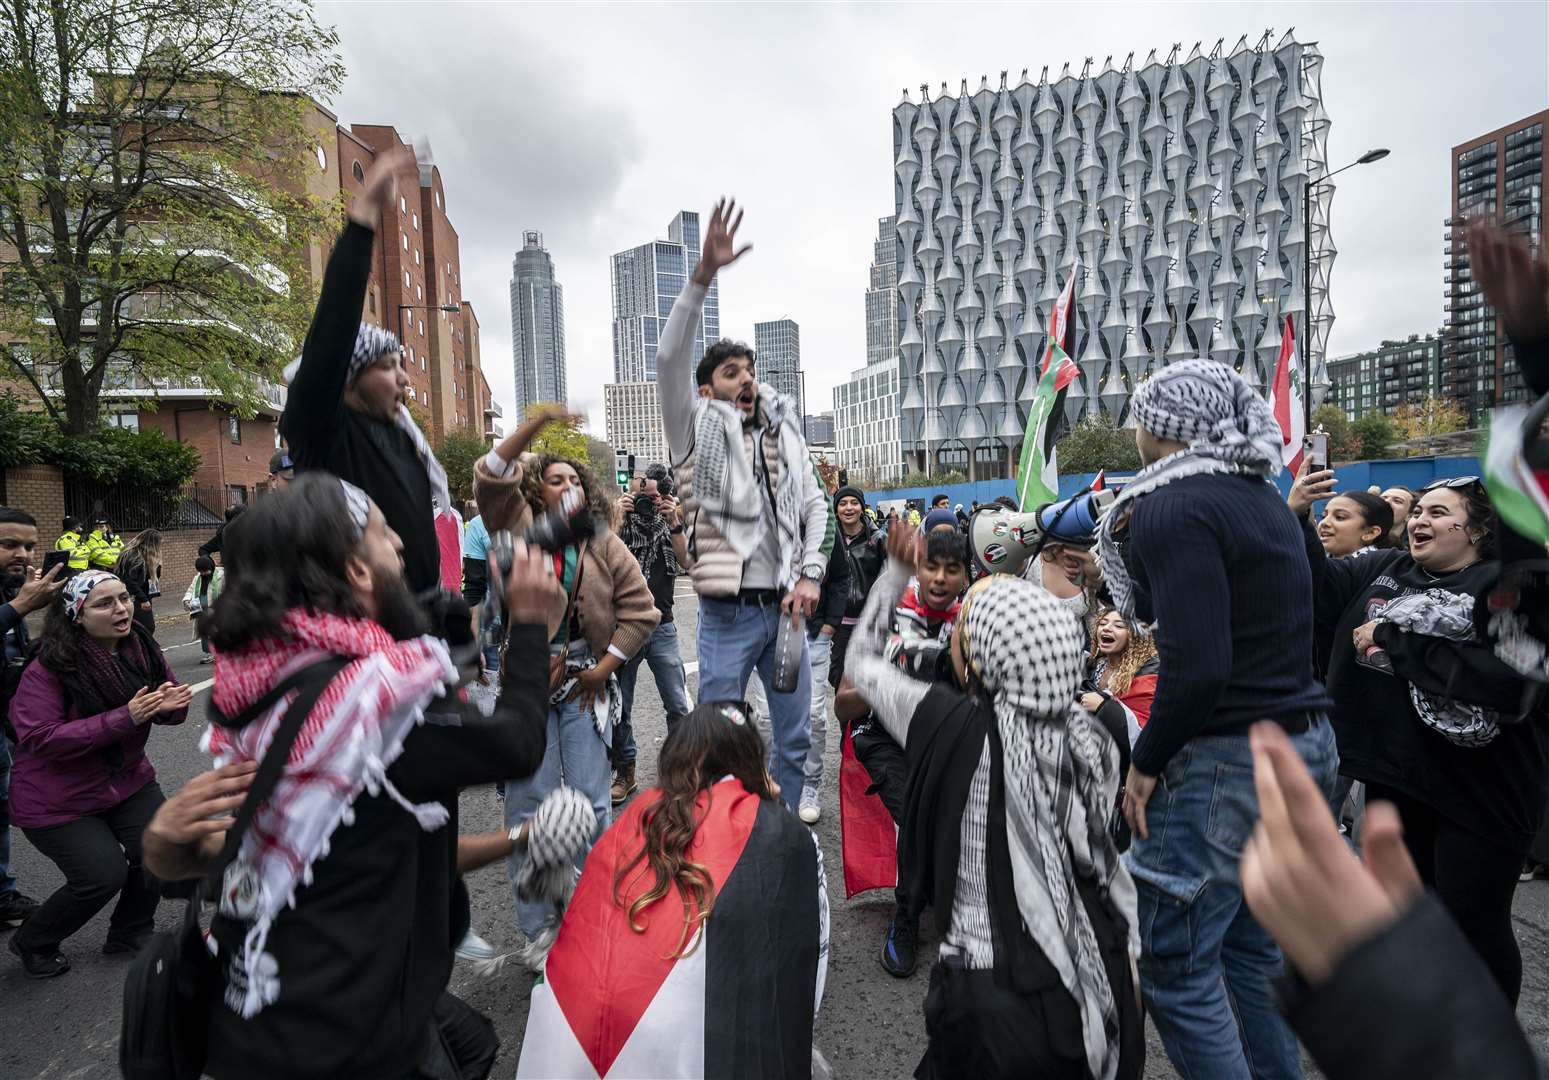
(789, 646)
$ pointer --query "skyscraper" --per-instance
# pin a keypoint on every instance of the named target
(882, 314)
(778, 364)
(1496, 175)
(537, 327)
(1178, 186)
(646, 281)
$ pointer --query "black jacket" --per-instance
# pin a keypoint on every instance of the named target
(375, 455)
(866, 552)
(1413, 1003)
(834, 595)
(367, 949)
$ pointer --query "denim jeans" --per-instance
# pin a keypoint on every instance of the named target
(735, 639)
(819, 649)
(575, 756)
(1206, 966)
(7, 882)
(661, 653)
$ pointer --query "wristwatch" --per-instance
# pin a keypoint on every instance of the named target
(675, 530)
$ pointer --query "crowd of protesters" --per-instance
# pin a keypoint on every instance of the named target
(1116, 775)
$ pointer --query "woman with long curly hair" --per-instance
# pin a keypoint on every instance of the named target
(139, 568)
(82, 788)
(604, 616)
(696, 943)
(1121, 677)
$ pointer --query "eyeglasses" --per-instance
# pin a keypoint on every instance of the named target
(1451, 482)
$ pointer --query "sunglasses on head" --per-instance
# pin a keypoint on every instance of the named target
(1451, 482)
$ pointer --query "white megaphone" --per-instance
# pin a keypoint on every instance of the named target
(1003, 540)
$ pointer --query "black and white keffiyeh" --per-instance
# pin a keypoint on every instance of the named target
(650, 542)
(371, 344)
(607, 709)
(560, 829)
(1443, 614)
(1061, 775)
(1226, 428)
(725, 484)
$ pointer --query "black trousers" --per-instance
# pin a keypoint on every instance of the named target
(100, 858)
(1475, 877)
(888, 766)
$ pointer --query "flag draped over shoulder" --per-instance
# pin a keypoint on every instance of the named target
(1286, 401)
(1038, 472)
(1519, 488)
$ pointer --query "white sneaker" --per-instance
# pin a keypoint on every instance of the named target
(475, 949)
(810, 808)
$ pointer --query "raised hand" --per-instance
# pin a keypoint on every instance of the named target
(904, 544)
(144, 705)
(38, 592)
(1310, 487)
(718, 248)
(1512, 280)
(380, 186)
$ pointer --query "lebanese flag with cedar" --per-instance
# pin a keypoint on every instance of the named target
(1285, 400)
(614, 1002)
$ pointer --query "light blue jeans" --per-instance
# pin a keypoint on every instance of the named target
(819, 651)
(736, 639)
(666, 661)
(1206, 965)
(577, 756)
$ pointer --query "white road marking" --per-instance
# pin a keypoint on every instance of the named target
(198, 686)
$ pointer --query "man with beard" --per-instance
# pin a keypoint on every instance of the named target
(345, 412)
(760, 527)
(22, 592)
(342, 907)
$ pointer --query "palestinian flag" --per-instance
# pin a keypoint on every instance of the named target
(1038, 480)
(867, 836)
(1098, 480)
(1516, 468)
(616, 1003)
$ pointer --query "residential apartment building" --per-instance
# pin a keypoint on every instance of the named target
(633, 418)
(1496, 175)
(646, 282)
(866, 424)
(537, 327)
(778, 362)
(1176, 186)
(1382, 379)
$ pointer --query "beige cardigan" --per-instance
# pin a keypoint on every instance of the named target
(615, 605)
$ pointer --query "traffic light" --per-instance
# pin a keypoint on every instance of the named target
(624, 467)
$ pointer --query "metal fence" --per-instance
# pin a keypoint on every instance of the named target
(193, 506)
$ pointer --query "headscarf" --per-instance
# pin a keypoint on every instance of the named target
(1061, 776)
(1226, 428)
(78, 588)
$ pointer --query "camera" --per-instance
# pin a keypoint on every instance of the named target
(553, 531)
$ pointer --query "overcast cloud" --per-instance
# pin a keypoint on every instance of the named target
(596, 123)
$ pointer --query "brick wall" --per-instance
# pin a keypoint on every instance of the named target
(222, 463)
(179, 548)
(40, 491)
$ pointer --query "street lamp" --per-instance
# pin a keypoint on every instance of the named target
(449, 308)
(1307, 188)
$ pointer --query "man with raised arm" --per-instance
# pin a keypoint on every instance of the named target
(760, 527)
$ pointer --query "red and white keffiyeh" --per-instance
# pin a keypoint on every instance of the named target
(353, 733)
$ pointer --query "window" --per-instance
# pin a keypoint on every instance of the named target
(234, 429)
(403, 206)
(322, 158)
(415, 214)
(371, 301)
(416, 256)
(419, 294)
(405, 237)
(422, 326)
(357, 172)
(406, 282)
(129, 421)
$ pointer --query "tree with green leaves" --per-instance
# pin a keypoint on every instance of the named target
(457, 453)
(1376, 434)
(1434, 415)
(562, 437)
(599, 455)
(155, 203)
(1343, 443)
(1096, 443)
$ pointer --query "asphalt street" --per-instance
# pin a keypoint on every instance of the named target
(870, 1025)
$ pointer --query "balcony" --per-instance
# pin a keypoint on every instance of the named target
(123, 384)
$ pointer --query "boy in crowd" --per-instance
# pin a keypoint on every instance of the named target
(922, 630)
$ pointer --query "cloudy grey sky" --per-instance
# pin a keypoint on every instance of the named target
(596, 123)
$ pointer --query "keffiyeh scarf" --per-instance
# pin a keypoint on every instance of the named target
(1226, 428)
(1061, 774)
(371, 344)
(650, 542)
(1443, 614)
(726, 484)
(354, 732)
(607, 710)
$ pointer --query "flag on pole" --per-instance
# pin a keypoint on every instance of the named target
(1097, 481)
(1286, 402)
(1038, 480)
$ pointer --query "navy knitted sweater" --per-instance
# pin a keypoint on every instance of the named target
(1218, 562)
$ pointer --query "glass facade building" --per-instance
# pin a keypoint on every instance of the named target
(778, 345)
(646, 281)
(537, 327)
(1177, 187)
